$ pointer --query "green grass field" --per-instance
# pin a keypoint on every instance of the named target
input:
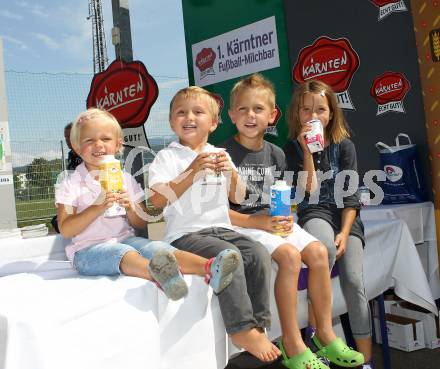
(42, 211)
(35, 211)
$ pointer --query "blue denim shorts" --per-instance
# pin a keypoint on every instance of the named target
(104, 258)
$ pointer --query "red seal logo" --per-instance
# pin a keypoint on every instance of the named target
(277, 116)
(386, 7)
(126, 90)
(390, 86)
(220, 102)
(205, 59)
(272, 127)
(380, 3)
(331, 61)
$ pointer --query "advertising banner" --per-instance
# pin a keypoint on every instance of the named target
(5, 152)
(8, 217)
(245, 50)
(127, 91)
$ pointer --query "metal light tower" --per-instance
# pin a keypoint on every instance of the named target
(100, 59)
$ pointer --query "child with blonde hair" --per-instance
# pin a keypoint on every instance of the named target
(104, 245)
(338, 227)
(252, 108)
(192, 180)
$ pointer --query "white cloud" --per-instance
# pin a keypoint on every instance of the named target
(16, 41)
(179, 81)
(23, 4)
(36, 9)
(8, 14)
(39, 11)
(48, 41)
(20, 159)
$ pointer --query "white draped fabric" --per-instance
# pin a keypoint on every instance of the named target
(420, 220)
(51, 318)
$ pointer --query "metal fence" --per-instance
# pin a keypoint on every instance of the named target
(34, 182)
(39, 106)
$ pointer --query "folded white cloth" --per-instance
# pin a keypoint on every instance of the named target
(37, 230)
(10, 233)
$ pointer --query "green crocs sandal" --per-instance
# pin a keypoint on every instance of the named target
(339, 353)
(305, 360)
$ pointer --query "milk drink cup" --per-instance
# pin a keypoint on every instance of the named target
(211, 177)
(280, 201)
(364, 195)
(110, 177)
(315, 137)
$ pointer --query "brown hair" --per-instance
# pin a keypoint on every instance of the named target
(256, 81)
(197, 92)
(336, 129)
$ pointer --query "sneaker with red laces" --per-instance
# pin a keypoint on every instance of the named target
(219, 270)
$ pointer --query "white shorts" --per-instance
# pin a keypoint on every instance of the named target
(298, 237)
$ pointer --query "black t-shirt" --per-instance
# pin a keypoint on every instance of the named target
(328, 212)
(259, 169)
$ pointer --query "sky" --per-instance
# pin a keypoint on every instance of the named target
(48, 59)
(55, 36)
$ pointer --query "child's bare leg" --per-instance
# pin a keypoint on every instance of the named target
(190, 263)
(135, 265)
(364, 345)
(286, 290)
(257, 344)
(315, 257)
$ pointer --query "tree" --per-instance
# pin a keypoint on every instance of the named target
(39, 175)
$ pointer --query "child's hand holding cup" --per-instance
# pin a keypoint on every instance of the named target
(213, 176)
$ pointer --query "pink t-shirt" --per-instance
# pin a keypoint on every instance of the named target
(80, 189)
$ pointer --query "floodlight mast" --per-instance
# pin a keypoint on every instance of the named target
(100, 58)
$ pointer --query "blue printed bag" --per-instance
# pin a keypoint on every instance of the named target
(404, 179)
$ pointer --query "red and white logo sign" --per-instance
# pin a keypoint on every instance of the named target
(393, 173)
(272, 127)
(386, 7)
(126, 90)
(389, 90)
(332, 61)
(221, 104)
(205, 62)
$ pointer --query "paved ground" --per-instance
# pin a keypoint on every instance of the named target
(421, 359)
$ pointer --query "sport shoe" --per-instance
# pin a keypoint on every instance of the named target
(165, 271)
(219, 270)
(339, 353)
(304, 360)
(308, 340)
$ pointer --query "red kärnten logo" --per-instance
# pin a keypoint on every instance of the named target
(272, 127)
(221, 104)
(205, 62)
(333, 62)
(386, 7)
(126, 90)
(389, 90)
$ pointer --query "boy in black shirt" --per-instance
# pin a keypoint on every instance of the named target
(252, 108)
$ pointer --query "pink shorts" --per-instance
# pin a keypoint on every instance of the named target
(298, 237)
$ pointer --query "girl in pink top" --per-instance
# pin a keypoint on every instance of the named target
(107, 245)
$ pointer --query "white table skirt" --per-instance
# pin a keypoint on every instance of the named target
(420, 219)
(51, 318)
